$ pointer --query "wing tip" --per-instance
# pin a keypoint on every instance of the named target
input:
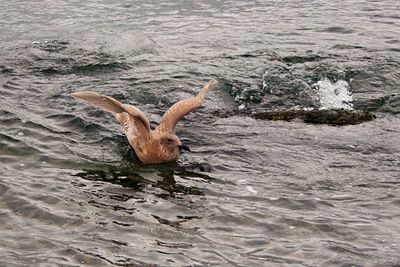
(209, 86)
(213, 82)
(75, 94)
(84, 94)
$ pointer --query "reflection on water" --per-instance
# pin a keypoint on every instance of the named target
(130, 177)
(250, 192)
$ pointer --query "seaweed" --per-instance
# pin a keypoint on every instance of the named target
(336, 117)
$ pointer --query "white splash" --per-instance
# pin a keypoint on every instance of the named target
(334, 95)
(251, 189)
(242, 107)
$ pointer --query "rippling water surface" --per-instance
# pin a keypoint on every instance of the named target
(251, 192)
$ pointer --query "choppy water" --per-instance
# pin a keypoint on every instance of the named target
(251, 192)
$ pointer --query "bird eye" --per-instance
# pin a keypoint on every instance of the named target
(170, 140)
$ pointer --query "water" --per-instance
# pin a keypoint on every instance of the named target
(250, 192)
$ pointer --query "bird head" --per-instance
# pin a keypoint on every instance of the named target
(171, 142)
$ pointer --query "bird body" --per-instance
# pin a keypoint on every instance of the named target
(151, 146)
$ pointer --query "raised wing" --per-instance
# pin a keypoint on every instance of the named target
(131, 118)
(183, 107)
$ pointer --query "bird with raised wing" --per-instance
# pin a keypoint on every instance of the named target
(151, 146)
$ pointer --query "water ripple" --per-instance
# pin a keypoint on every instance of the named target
(251, 192)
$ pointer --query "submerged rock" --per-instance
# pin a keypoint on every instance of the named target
(331, 117)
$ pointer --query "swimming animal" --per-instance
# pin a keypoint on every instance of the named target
(151, 146)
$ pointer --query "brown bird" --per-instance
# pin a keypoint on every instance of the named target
(151, 146)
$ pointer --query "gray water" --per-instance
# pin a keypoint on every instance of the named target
(250, 192)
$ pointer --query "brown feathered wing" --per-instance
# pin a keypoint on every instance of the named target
(178, 110)
(134, 121)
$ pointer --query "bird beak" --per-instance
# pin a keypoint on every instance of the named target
(184, 147)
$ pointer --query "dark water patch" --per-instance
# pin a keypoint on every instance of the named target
(53, 58)
(174, 245)
(337, 29)
(333, 73)
(6, 115)
(295, 204)
(5, 69)
(9, 122)
(43, 128)
(112, 241)
(98, 68)
(50, 71)
(9, 138)
(123, 197)
(396, 17)
(347, 47)
(130, 177)
(254, 54)
(387, 104)
(60, 117)
(194, 168)
(173, 224)
(101, 205)
(174, 189)
(126, 179)
(82, 256)
(13, 84)
(301, 59)
(78, 125)
(3, 189)
(395, 41)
